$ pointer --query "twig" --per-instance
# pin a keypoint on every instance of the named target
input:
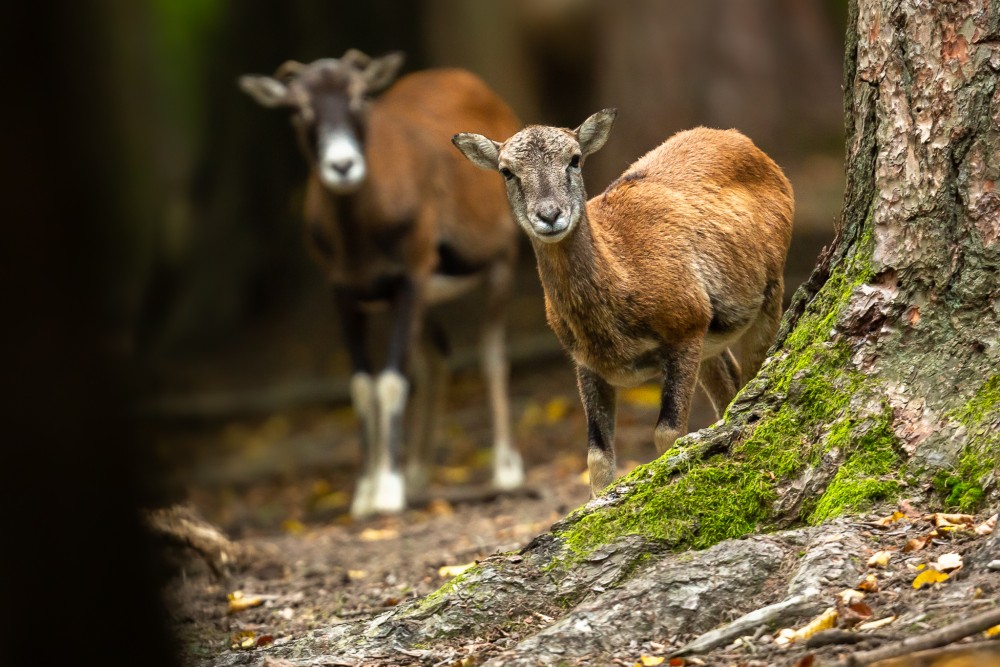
(946, 635)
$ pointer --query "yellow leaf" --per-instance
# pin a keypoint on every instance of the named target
(892, 518)
(377, 535)
(645, 396)
(869, 585)
(242, 602)
(880, 558)
(448, 571)
(875, 625)
(293, 526)
(651, 660)
(354, 575)
(992, 632)
(824, 621)
(556, 409)
(928, 577)
(242, 640)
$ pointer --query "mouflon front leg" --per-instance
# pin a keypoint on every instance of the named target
(599, 408)
(680, 372)
(353, 322)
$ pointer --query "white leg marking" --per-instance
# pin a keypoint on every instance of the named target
(389, 492)
(362, 505)
(602, 470)
(508, 468)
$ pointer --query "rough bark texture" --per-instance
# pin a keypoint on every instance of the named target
(885, 381)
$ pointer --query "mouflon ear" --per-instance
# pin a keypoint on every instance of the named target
(266, 90)
(593, 132)
(482, 152)
(380, 72)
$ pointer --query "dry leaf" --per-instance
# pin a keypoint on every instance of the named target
(676, 662)
(824, 621)
(992, 632)
(243, 640)
(264, 640)
(918, 543)
(875, 625)
(645, 396)
(650, 660)
(942, 520)
(849, 596)
(986, 527)
(293, 526)
(880, 558)
(806, 661)
(928, 577)
(948, 562)
(377, 534)
(869, 585)
(892, 518)
(449, 571)
(354, 575)
(240, 602)
(557, 409)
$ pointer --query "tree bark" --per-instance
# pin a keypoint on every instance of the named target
(884, 383)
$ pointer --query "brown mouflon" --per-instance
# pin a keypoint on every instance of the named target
(663, 275)
(395, 217)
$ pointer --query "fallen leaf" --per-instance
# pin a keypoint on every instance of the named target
(948, 562)
(918, 543)
(928, 577)
(240, 602)
(806, 661)
(650, 660)
(875, 625)
(243, 640)
(440, 507)
(354, 575)
(891, 519)
(986, 527)
(378, 534)
(557, 409)
(850, 596)
(992, 632)
(869, 585)
(449, 571)
(676, 662)
(644, 396)
(880, 559)
(293, 526)
(264, 640)
(824, 621)
(942, 520)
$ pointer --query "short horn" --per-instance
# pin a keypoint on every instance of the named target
(288, 69)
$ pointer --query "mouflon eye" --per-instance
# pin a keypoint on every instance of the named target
(506, 173)
(575, 162)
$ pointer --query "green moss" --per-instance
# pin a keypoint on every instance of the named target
(963, 486)
(681, 501)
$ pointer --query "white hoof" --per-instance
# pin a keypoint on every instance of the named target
(389, 494)
(508, 470)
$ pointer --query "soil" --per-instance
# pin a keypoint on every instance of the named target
(317, 566)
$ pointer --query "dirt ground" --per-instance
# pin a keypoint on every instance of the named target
(318, 566)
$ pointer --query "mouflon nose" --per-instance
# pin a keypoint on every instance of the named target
(342, 166)
(549, 213)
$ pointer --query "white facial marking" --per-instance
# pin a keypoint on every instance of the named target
(341, 161)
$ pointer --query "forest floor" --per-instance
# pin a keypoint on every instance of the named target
(317, 566)
(314, 567)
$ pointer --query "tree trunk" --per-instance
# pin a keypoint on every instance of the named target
(884, 383)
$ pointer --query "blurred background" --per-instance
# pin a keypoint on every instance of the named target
(240, 378)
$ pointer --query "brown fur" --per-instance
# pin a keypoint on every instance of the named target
(678, 260)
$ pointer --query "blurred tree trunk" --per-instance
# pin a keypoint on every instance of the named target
(885, 381)
(766, 68)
